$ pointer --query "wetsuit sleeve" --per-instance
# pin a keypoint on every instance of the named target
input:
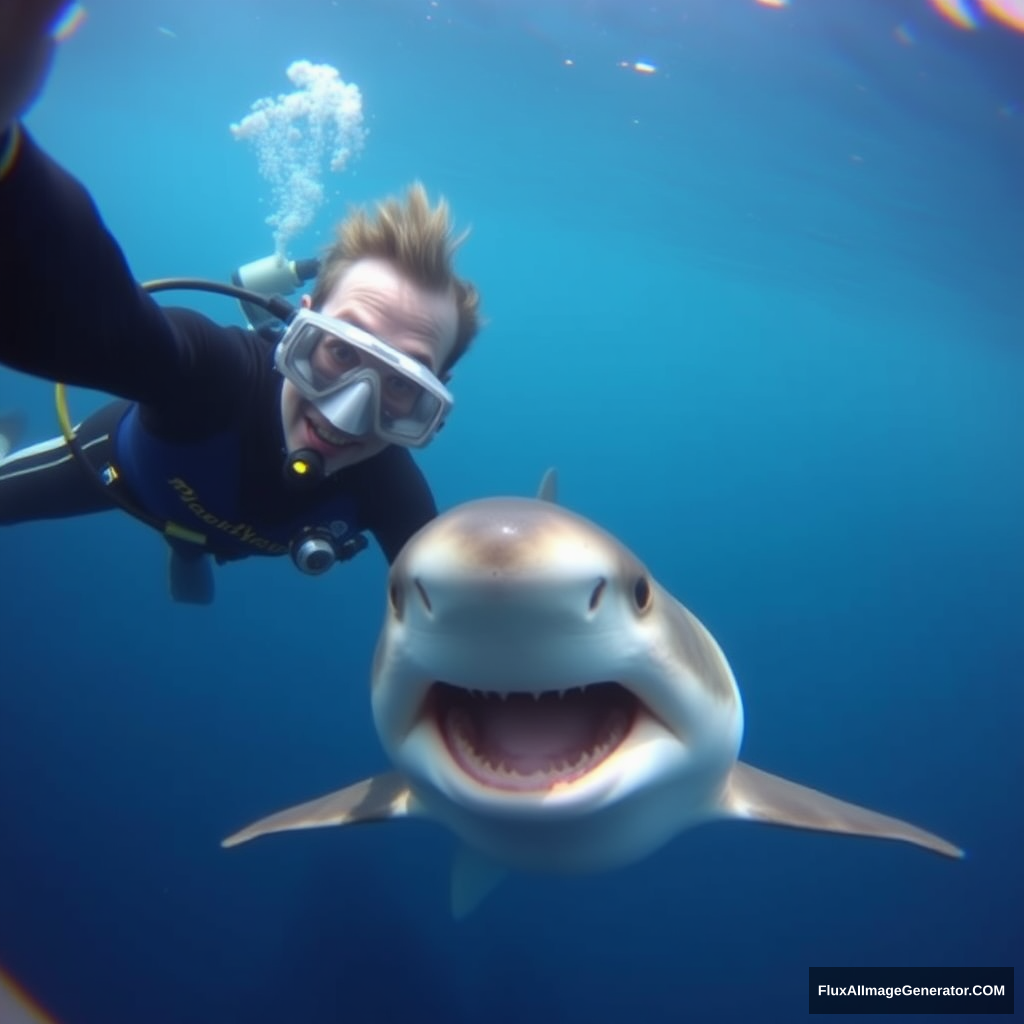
(72, 310)
(394, 498)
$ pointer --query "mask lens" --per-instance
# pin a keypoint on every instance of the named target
(412, 417)
(326, 359)
(332, 359)
(399, 395)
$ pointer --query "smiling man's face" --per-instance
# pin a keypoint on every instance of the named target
(375, 296)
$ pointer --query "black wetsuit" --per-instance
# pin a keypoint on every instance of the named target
(194, 391)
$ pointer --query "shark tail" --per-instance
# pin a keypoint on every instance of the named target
(474, 877)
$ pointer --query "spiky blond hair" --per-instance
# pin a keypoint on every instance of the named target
(419, 241)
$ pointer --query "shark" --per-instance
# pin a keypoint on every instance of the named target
(542, 696)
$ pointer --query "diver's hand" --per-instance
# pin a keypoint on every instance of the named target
(26, 53)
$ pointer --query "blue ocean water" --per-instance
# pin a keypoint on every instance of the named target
(763, 308)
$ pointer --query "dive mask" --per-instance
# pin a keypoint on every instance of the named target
(360, 384)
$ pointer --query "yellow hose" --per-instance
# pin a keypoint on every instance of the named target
(169, 528)
(60, 395)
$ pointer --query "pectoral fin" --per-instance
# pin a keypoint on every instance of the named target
(758, 796)
(376, 799)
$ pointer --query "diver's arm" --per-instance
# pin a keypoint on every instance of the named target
(394, 497)
(72, 310)
(26, 53)
(69, 308)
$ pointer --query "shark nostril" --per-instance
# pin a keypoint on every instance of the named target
(423, 595)
(396, 598)
(595, 596)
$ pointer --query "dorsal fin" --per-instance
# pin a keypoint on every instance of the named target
(548, 490)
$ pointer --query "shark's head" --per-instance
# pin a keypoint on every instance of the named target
(530, 670)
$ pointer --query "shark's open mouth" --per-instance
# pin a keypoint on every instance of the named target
(526, 742)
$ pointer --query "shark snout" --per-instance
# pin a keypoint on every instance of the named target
(509, 598)
(511, 553)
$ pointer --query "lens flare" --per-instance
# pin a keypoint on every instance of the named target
(68, 22)
(966, 14)
(957, 12)
(294, 133)
(16, 1006)
(1007, 12)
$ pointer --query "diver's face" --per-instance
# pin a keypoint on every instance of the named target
(375, 296)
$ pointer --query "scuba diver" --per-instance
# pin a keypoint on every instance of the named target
(290, 436)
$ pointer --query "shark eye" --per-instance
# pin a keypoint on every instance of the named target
(642, 595)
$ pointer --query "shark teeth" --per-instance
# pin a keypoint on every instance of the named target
(536, 694)
(532, 741)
